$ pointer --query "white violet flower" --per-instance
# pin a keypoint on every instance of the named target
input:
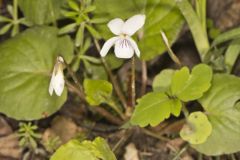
(125, 46)
(57, 80)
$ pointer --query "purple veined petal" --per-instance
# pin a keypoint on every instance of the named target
(123, 48)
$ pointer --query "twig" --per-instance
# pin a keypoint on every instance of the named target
(144, 78)
(112, 78)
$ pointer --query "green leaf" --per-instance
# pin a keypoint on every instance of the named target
(197, 129)
(153, 108)
(68, 28)
(93, 32)
(80, 35)
(5, 28)
(97, 91)
(226, 36)
(199, 33)
(87, 150)
(26, 64)
(66, 48)
(113, 62)
(160, 15)
(162, 81)
(73, 5)
(41, 11)
(188, 87)
(220, 104)
(232, 54)
(4, 19)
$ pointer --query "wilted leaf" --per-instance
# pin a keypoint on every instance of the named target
(97, 91)
(224, 115)
(197, 129)
(26, 64)
(153, 108)
(188, 86)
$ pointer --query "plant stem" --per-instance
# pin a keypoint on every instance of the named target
(133, 87)
(15, 15)
(180, 153)
(144, 78)
(112, 78)
(185, 111)
(113, 105)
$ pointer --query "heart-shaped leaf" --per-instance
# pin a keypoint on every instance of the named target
(188, 86)
(26, 64)
(197, 129)
(153, 108)
(224, 115)
(97, 91)
(87, 150)
(160, 15)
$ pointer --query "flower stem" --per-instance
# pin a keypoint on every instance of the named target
(133, 87)
(144, 78)
(112, 78)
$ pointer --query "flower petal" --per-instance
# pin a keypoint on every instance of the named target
(107, 45)
(123, 48)
(58, 83)
(134, 46)
(50, 89)
(133, 24)
(116, 25)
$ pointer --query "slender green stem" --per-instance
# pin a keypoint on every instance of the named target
(15, 16)
(114, 106)
(184, 110)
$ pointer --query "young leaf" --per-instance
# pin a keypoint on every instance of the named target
(5, 28)
(73, 5)
(226, 36)
(220, 104)
(97, 91)
(162, 81)
(68, 28)
(87, 150)
(153, 108)
(80, 35)
(232, 54)
(197, 129)
(188, 87)
(25, 74)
